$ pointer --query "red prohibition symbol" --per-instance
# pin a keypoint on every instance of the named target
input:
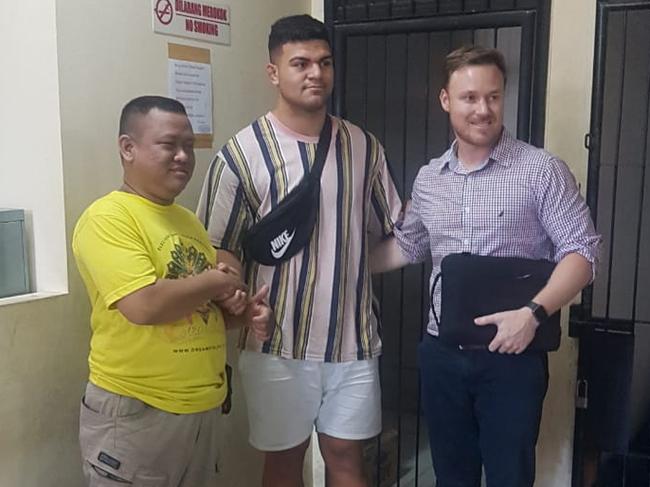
(164, 11)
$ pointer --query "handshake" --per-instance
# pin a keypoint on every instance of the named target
(233, 298)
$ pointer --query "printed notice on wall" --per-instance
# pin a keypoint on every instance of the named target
(200, 20)
(190, 82)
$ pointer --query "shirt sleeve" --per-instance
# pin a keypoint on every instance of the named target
(385, 199)
(410, 232)
(113, 256)
(223, 207)
(565, 215)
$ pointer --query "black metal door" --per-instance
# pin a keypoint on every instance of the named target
(389, 60)
(612, 436)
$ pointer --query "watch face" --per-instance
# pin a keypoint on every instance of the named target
(538, 311)
(541, 313)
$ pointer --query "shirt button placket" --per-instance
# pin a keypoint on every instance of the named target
(467, 224)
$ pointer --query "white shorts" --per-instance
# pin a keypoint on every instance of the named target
(287, 398)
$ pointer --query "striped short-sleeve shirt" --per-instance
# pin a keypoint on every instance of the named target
(322, 297)
(522, 202)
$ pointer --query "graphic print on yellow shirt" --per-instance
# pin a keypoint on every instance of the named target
(188, 261)
(123, 243)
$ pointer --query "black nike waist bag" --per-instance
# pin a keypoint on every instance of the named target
(288, 227)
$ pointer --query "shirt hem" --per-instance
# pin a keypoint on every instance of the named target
(316, 358)
(161, 405)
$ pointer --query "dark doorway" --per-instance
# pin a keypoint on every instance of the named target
(389, 57)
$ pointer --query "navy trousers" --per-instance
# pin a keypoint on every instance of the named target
(482, 409)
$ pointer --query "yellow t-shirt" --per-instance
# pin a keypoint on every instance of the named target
(122, 243)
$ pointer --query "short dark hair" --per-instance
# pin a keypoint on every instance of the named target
(296, 28)
(473, 56)
(143, 105)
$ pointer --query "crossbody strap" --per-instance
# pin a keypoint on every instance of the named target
(317, 168)
(321, 150)
(208, 203)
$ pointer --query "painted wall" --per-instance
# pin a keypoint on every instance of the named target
(41, 343)
(107, 54)
(318, 9)
(31, 138)
(567, 121)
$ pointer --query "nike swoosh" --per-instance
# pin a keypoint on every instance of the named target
(277, 254)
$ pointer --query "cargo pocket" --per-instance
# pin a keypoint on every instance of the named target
(98, 477)
(102, 464)
(106, 459)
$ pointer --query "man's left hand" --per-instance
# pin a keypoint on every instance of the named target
(515, 330)
(259, 316)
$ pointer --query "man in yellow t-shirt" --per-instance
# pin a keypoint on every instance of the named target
(150, 415)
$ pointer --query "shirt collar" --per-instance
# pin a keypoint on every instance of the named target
(501, 153)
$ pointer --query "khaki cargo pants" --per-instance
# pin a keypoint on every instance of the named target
(125, 442)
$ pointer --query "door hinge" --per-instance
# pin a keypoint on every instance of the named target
(582, 394)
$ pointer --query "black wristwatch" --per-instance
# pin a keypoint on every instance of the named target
(538, 310)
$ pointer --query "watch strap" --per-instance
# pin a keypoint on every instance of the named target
(538, 310)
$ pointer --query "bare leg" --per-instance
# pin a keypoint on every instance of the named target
(343, 461)
(284, 468)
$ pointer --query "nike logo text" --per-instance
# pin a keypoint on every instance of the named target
(280, 244)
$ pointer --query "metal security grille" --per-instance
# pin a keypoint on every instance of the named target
(612, 436)
(355, 10)
(389, 60)
(618, 161)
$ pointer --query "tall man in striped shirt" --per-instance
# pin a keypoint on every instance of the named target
(490, 194)
(320, 366)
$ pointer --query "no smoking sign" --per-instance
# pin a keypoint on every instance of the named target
(164, 11)
(203, 21)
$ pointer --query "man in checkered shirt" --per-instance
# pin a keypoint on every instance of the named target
(490, 194)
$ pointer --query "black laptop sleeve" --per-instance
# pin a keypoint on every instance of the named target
(476, 285)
